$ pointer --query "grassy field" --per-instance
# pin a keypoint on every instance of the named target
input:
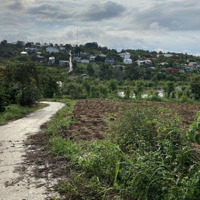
(15, 111)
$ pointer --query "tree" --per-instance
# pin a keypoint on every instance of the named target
(90, 70)
(138, 89)
(170, 88)
(127, 92)
(195, 87)
(25, 76)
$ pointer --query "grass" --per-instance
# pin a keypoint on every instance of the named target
(15, 111)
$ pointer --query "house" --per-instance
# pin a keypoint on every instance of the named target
(127, 61)
(84, 61)
(163, 63)
(172, 70)
(143, 62)
(167, 55)
(62, 48)
(140, 62)
(30, 49)
(52, 50)
(125, 55)
(110, 61)
(192, 64)
(64, 63)
(52, 60)
(40, 58)
(92, 58)
(102, 55)
(24, 53)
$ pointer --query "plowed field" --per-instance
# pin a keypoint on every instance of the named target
(91, 116)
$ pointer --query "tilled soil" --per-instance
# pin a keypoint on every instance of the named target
(91, 116)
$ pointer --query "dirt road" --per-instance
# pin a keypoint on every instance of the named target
(16, 180)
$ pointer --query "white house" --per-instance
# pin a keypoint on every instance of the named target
(52, 60)
(125, 55)
(143, 62)
(92, 58)
(23, 53)
(52, 50)
(127, 61)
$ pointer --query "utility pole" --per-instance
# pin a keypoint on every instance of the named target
(77, 37)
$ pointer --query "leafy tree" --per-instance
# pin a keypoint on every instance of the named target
(75, 90)
(127, 92)
(112, 85)
(195, 87)
(169, 88)
(90, 70)
(138, 89)
(25, 78)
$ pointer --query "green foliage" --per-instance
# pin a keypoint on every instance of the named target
(15, 111)
(127, 92)
(138, 89)
(194, 87)
(169, 88)
(194, 130)
(75, 90)
(62, 120)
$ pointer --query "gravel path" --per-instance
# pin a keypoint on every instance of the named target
(16, 175)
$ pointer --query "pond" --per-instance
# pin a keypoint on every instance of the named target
(160, 92)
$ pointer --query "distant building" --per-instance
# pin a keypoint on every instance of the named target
(92, 58)
(64, 63)
(110, 61)
(85, 61)
(24, 53)
(193, 64)
(172, 70)
(31, 49)
(52, 60)
(62, 48)
(144, 62)
(102, 55)
(127, 61)
(163, 63)
(125, 55)
(52, 50)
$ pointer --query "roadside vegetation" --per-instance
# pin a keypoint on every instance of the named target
(15, 111)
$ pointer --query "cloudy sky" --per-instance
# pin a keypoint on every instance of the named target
(167, 25)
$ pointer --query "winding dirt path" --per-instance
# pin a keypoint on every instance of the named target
(16, 175)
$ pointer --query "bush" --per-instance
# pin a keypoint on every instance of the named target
(28, 95)
(2, 108)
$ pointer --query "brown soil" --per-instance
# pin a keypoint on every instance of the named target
(91, 116)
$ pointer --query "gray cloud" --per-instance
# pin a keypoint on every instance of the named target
(171, 15)
(103, 11)
(17, 5)
(47, 12)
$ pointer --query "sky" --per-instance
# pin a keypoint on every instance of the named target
(154, 25)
